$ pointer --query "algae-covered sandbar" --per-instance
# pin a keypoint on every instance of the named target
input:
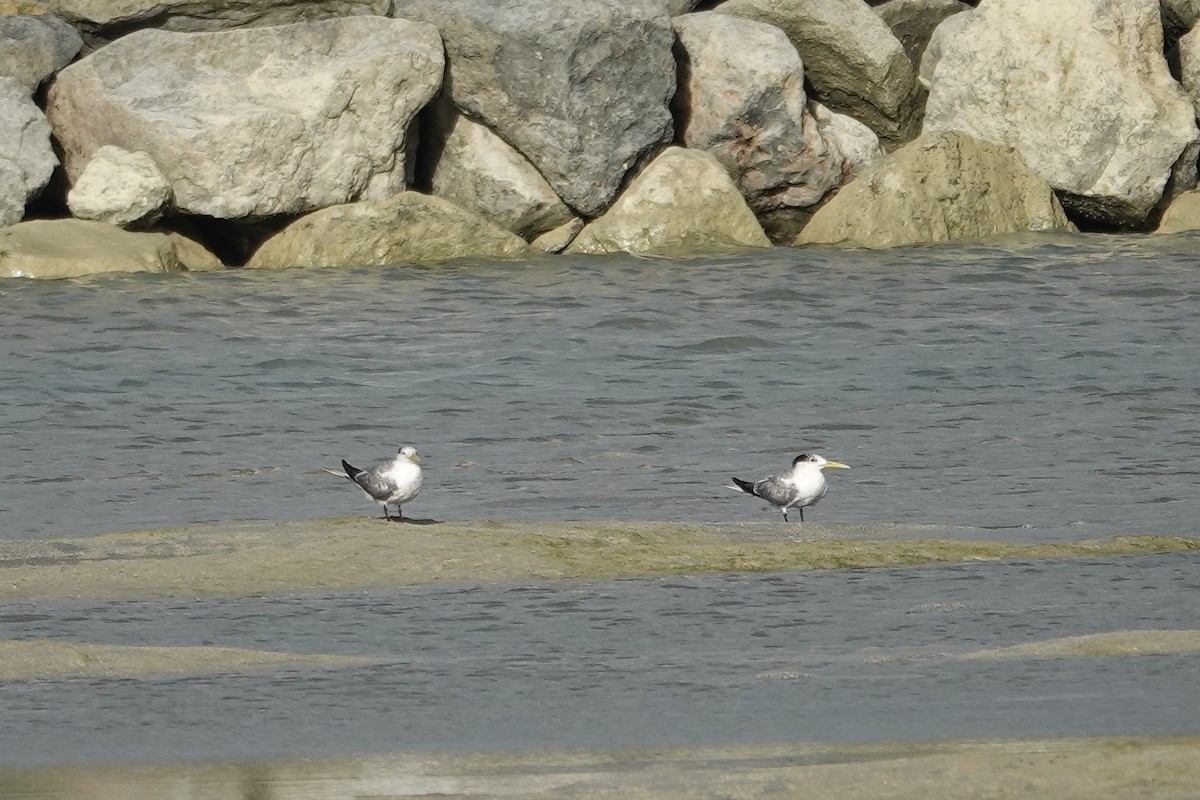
(256, 558)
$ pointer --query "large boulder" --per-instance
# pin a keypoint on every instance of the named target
(70, 248)
(477, 170)
(407, 228)
(683, 203)
(258, 121)
(105, 20)
(1081, 89)
(940, 187)
(27, 159)
(121, 188)
(742, 96)
(581, 89)
(854, 63)
(32, 48)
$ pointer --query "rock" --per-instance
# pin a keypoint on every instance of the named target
(70, 248)
(34, 48)
(581, 89)
(409, 227)
(121, 188)
(193, 256)
(477, 170)
(27, 159)
(1182, 215)
(857, 144)
(1179, 16)
(1189, 65)
(556, 241)
(1024, 73)
(946, 31)
(742, 96)
(683, 203)
(259, 121)
(853, 62)
(913, 21)
(940, 187)
(103, 21)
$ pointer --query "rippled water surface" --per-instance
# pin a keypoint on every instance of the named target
(841, 655)
(1049, 384)
(1043, 388)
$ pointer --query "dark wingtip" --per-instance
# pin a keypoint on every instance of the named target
(351, 471)
(745, 486)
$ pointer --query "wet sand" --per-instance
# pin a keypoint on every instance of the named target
(250, 559)
(1160, 767)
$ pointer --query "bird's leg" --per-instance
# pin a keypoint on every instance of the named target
(386, 515)
(400, 513)
(784, 510)
(802, 513)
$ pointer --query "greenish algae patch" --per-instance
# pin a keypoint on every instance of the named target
(52, 658)
(355, 552)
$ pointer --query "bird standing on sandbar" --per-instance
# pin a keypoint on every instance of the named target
(391, 483)
(801, 487)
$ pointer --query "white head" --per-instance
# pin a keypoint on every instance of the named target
(812, 460)
(408, 453)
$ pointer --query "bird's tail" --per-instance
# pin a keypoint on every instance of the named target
(346, 471)
(742, 486)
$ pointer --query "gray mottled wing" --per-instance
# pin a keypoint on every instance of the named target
(374, 484)
(776, 491)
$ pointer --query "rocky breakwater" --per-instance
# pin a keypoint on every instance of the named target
(165, 135)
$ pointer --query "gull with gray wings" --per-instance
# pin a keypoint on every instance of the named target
(803, 486)
(393, 482)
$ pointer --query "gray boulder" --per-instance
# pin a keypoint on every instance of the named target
(34, 48)
(103, 21)
(1180, 16)
(407, 228)
(855, 64)
(913, 21)
(27, 159)
(70, 248)
(1024, 73)
(742, 94)
(940, 187)
(581, 89)
(257, 121)
(477, 170)
(121, 188)
(683, 203)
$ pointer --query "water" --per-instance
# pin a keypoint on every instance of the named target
(1039, 388)
(671, 661)
(1046, 384)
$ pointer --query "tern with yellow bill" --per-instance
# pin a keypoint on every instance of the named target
(801, 487)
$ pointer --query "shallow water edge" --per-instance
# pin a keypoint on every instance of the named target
(1065, 769)
(355, 552)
